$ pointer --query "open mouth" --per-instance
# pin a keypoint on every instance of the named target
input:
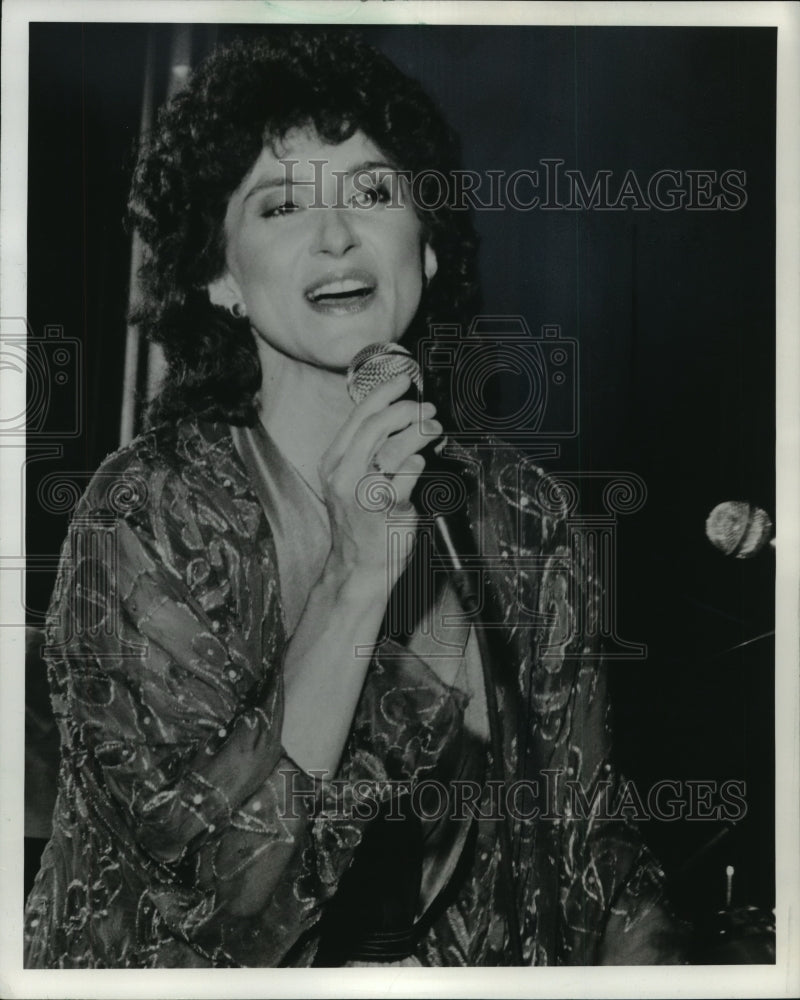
(341, 293)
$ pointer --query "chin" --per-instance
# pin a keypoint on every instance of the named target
(345, 340)
(339, 356)
(370, 334)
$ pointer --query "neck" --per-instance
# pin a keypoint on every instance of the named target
(302, 408)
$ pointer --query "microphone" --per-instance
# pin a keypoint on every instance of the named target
(377, 364)
(739, 529)
(380, 363)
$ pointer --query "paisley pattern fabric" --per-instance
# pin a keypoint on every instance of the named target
(183, 834)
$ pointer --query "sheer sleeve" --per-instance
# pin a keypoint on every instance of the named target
(168, 681)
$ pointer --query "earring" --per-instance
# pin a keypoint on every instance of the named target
(237, 310)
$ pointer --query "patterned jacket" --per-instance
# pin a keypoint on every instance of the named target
(173, 842)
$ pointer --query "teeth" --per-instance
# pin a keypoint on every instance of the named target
(339, 288)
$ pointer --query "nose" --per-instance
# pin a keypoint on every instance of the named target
(335, 231)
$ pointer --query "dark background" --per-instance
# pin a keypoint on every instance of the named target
(673, 312)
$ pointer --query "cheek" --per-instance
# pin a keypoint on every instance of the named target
(260, 257)
(411, 270)
(408, 297)
(264, 282)
(408, 255)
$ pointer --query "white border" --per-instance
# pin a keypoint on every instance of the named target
(740, 981)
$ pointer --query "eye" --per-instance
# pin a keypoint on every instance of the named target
(371, 194)
(276, 211)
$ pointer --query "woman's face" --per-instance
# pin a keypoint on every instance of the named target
(324, 250)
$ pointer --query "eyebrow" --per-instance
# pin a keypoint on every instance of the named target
(270, 183)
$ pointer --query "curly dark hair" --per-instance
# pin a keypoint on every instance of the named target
(243, 96)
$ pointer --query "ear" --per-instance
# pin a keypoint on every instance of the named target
(224, 291)
(430, 263)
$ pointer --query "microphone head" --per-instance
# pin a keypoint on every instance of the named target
(379, 363)
(738, 528)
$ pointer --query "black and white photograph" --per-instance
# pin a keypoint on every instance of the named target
(399, 466)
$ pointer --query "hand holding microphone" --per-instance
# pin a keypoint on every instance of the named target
(370, 368)
(383, 434)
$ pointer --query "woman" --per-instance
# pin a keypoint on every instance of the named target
(223, 579)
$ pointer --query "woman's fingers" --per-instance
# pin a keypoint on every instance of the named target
(403, 421)
(395, 430)
(381, 397)
(395, 450)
